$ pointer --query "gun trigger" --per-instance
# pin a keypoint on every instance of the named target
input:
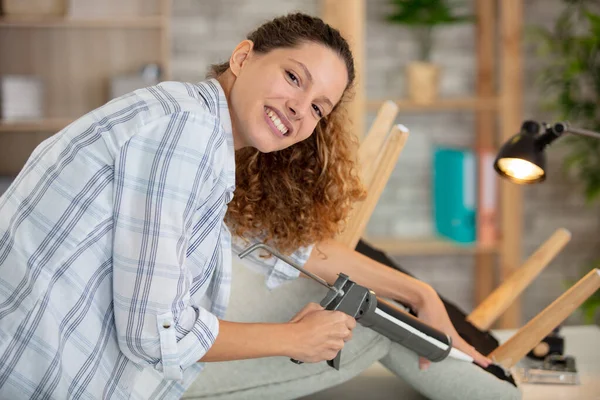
(335, 363)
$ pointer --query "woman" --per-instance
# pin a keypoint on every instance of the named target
(114, 252)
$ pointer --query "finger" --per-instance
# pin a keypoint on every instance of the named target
(340, 316)
(424, 363)
(478, 358)
(350, 322)
(481, 359)
(348, 337)
(309, 308)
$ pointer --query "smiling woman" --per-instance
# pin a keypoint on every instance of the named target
(115, 238)
(295, 168)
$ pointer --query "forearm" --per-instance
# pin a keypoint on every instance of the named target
(239, 341)
(330, 258)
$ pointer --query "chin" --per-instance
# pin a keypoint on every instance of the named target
(263, 141)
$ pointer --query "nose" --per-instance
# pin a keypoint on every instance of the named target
(297, 108)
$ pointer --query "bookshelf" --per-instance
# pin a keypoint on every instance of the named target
(427, 245)
(497, 106)
(455, 104)
(149, 22)
(75, 56)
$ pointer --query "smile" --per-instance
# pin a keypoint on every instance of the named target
(276, 122)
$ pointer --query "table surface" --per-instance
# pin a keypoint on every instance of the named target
(581, 342)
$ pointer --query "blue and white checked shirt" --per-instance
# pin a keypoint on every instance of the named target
(115, 262)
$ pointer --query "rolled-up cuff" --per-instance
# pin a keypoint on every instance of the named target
(178, 355)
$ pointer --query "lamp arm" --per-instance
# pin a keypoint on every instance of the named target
(562, 127)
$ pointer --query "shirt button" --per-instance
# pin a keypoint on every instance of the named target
(166, 325)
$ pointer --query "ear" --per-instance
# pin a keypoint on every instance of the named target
(240, 55)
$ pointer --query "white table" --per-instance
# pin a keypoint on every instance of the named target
(581, 342)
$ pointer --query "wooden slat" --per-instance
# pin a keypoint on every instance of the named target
(359, 217)
(349, 18)
(485, 128)
(426, 246)
(502, 298)
(511, 119)
(508, 354)
(372, 145)
(452, 104)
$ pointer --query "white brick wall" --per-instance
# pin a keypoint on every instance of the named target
(205, 31)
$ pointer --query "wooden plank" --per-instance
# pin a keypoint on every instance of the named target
(510, 120)
(485, 128)
(349, 18)
(426, 246)
(372, 145)
(450, 104)
(495, 304)
(360, 215)
(509, 353)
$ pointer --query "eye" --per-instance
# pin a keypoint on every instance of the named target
(293, 78)
(318, 110)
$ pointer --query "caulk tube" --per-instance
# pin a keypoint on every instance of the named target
(406, 330)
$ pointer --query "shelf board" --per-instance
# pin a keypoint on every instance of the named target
(450, 104)
(66, 22)
(42, 125)
(426, 246)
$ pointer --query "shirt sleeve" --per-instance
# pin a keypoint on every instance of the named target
(275, 270)
(163, 174)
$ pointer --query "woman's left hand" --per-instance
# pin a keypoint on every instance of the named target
(433, 312)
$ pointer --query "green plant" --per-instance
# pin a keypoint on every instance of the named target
(570, 81)
(422, 16)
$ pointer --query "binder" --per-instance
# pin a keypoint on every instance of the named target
(455, 194)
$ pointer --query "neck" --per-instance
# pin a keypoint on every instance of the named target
(226, 80)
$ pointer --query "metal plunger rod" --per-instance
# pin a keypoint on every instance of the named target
(289, 261)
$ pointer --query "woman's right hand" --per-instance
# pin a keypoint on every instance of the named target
(318, 335)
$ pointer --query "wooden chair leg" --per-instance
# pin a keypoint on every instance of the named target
(508, 354)
(500, 299)
(359, 217)
(372, 145)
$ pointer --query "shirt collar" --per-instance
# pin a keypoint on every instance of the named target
(214, 96)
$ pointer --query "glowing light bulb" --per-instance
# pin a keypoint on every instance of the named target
(520, 169)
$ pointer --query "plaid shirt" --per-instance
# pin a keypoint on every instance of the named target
(115, 262)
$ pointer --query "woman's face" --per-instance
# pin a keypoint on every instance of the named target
(278, 98)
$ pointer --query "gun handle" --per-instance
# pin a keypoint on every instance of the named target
(335, 363)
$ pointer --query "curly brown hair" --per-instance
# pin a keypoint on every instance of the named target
(303, 194)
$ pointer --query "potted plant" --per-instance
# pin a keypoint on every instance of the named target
(422, 17)
(570, 83)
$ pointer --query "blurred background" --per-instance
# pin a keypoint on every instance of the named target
(464, 80)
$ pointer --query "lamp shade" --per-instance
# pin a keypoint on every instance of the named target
(521, 159)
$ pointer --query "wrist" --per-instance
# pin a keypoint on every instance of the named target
(423, 294)
(286, 342)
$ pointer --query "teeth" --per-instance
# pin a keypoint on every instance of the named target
(276, 121)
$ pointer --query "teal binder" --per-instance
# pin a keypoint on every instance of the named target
(454, 194)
